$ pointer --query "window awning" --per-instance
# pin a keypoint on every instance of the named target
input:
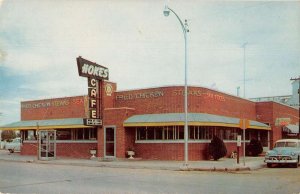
(46, 124)
(194, 119)
(291, 128)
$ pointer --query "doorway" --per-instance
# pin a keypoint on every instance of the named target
(47, 145)
(109, 142)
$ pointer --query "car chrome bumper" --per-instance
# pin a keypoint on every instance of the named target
(283, 161)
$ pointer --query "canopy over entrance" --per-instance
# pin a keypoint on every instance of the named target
(46, 124)
(291, 129)
(194, 119)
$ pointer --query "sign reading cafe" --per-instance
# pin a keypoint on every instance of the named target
(95, 74)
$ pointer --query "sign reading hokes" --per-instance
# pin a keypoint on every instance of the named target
(93, 70)
(95, 74)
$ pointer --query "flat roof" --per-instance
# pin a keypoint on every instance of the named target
(194, 119)
(46, 124)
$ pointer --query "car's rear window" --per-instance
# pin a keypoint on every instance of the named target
(286, 144)
(16, 141)
(291, 144)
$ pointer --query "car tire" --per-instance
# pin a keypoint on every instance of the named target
(295, 165)
(269, 165)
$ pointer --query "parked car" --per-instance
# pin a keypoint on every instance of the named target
(2, 144)
(286, 151)
(14, 145)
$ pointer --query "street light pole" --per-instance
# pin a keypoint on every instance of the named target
(185, 30)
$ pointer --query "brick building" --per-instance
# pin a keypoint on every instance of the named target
(151, 121)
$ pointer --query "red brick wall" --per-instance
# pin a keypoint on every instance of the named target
(29, 149)
(170, 99)
(282, 111)
(56, 108)
(115, 117)
(76, 150)
(175, 151)
(269, 112)
(160, 151)
(68, 107)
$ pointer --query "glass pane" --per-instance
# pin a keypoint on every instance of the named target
(181, 132)
(150, 133)
(63, 134)
(110, 142)
(109, 134)
(291, 144)
(80, 134)
(158, 132)
(86, 134)
(142, 133)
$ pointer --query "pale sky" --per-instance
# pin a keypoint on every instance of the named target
(40, 40)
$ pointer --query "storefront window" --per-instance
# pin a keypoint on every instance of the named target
(28, 135)
(159, 133)
(195, 133)
(77, 134)
(63, 134)
(203, 133)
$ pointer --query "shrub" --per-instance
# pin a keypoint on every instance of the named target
(217, 148)
(254, 148)
(8, 135)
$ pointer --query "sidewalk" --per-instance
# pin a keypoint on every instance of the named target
(224, 164)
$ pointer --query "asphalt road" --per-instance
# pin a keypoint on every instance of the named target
(18, 177)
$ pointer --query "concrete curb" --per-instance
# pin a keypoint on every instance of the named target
(138, 164)
(172, 168)
(109, 165)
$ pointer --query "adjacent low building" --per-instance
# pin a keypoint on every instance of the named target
(290, 100)
(150, 122)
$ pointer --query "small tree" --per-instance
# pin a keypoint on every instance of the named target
(217, 148)
(254, 148)
(8, 134)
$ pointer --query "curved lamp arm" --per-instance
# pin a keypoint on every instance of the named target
(183, 26)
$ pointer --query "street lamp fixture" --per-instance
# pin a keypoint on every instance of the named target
(185, 29)
(166, 11)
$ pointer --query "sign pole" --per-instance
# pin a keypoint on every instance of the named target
(244, 124)
(239, 140)
(238, 155)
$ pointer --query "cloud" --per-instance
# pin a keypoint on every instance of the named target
(40, 40)
(27, 62)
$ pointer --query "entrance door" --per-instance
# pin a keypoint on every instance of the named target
(109, 142)
(47, 144)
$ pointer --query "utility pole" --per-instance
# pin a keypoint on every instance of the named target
(244, 46)
(0, 132)
(298, 79)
